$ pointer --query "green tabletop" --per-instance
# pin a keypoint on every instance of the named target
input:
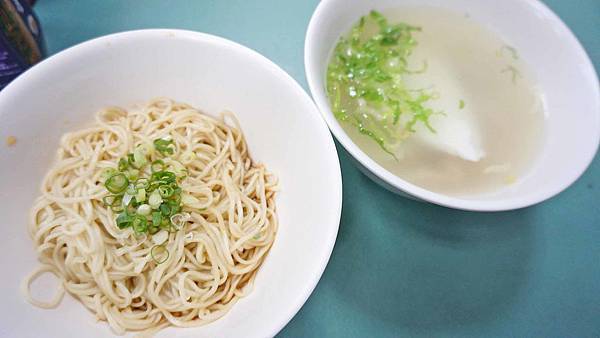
(400, 267)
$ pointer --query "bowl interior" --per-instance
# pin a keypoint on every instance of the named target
(560, 66)
(62, 94)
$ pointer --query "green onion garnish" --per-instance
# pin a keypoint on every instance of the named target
(165, 191)
(140, 196)
(130, 160)
(131, 190)
(108, 200)
(159, 253)
(514, 72)
(132, 174)
(117, 204)
(145, 202)
(165, 223)
(178, 220)
(156, 218)
(174, 205)
(139, 223)
(124, 220)
(365, 81)
(165, 209)
(164, 146)
(164, 176)
(123, 164)
(106, 173)
(142, 183)
(144, 210)
(139, 158)
(155, 200)
(117, 183)
(157, 165)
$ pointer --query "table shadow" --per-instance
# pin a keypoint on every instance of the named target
(424, 268)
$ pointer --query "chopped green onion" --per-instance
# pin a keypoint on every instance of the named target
(132, 174)
(123, 164)
(124, 220)
(164, 177)
(130, 159)
(117, 204)
(176, 197)
(140, 196)
(165, 209)
(515, 74)
(142, 183)
(178, 220)
(139, 224)
(159, 253)
(155, 200)
(157, 166)
(174, 205)
(117, 208)
(145, 149)
(146, 204)
(144, 210)
(461, 104)
(166, 191)
(106, 173)
(139, 158)
(365, 81)
(134, 204)
(165, 224)
(177, 191)
(177, 168)
(117, 183)
(127, 198)
(131, 190)
(108, 200)
(153, 185)
(513, 52)
(131, 207)
(164, 146)
(156, 218)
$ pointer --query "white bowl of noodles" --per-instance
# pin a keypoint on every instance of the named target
(283, 132)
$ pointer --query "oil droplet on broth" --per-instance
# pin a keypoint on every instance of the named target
(479, 76)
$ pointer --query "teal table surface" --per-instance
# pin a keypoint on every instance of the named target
(400, 267)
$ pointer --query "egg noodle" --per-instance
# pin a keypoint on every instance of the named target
(212, 259)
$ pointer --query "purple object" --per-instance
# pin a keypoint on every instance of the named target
(21, 40)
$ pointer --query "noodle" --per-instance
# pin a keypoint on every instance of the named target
(212, 260)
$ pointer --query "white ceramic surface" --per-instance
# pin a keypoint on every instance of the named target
(282, 126)
(562, 68)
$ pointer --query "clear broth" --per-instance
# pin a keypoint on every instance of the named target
(468, 63)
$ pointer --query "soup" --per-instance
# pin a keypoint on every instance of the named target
(446, 104)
